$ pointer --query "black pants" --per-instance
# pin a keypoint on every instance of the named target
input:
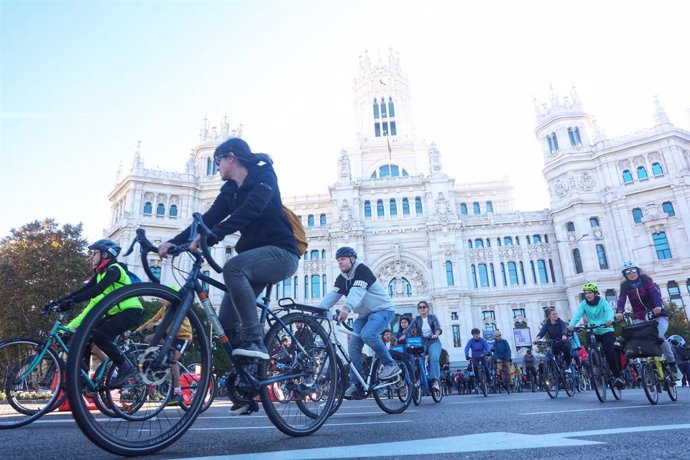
(110, 327)
(564, 346)
(608, 341)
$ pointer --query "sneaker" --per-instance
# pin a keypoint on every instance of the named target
(240, 409)
(619, 383)
(349, 391)
(175, 400)
(435, 385)
(389, 371)
(254, 349)
(568, 371)
(122, 374)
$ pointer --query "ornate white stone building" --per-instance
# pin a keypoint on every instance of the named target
(462, 247)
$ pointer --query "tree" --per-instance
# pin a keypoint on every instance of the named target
(677, 321)
(39, 262)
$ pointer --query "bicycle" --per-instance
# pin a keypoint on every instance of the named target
(481, 378)
(555, 374)
(311, 369)
(502, 379)
(600, 373)
(420, 373)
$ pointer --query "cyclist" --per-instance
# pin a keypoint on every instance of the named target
(557, 330)
(402, 325)
(108, 276)
(599, 312)
(530, 367)
(248, 202)
(502, 355)
(182, 340)
(365, 296)
(479, 348)
(645, 300)
(428, 327)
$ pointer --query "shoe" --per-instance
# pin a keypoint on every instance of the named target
(175, 400)
(435, 385)
(619, 383)
(389, 371)
(254, 349)
(240, 409)
(676, 373)
(349, 391)
(568, 371)
(122, 374)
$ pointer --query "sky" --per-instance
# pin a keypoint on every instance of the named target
(81, 82)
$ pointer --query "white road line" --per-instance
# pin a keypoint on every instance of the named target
(239, 428)
(565, 411)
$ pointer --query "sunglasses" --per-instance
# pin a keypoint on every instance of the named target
(422, 307)
(630, 271)
(220, 158)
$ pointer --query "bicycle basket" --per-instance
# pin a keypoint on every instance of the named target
(414, 345)
(642, 340)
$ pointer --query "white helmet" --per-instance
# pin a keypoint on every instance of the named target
(628, 264)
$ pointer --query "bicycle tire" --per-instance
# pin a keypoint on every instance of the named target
(311, 402)
(551, 380)
(396, 396)
(670, 383)
(341, 385)
(46, 379)
(437, 395)
(148, 435)
(209, 395)
(648, 376)
(569, 386)
(100, 399)
(483, 384)
(598, 376)
(416, 385)
(615, 391)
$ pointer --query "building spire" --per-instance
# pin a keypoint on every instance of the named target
(660, 117)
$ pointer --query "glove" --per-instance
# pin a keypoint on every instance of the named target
(467, 358)
(48, 308)
(64, 304)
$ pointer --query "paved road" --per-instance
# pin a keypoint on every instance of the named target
(460, 427)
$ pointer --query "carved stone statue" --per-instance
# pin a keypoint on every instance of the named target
(344, 166)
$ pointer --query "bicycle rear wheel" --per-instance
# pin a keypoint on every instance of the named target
(670, 384)
(191, 386)
(312, 359)
(648, 377)
(598, 374)
(394, 395)
(146, 426)
(551, 381)
(31, 382)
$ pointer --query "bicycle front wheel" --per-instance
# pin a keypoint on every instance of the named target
(598, 374)
(551, 381)
(394, 395)
(307, 379)
(648, 377)
(31, 382)
(143, 425)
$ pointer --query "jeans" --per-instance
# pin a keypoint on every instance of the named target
(433, 348)
(370, 329)
(246, 275)
(662, 322)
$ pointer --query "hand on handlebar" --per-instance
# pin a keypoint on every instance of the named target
(164, 248)
(344, 313)
(619, 316)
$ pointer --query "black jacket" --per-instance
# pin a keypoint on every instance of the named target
(255, 210)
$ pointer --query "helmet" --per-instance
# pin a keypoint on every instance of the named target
(346, 251)
(108, 246)
(590, 287)
(628, 264)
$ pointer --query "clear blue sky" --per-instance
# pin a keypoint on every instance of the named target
(83, 81)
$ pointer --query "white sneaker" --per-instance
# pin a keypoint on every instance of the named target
(389, 371)
(240, 409)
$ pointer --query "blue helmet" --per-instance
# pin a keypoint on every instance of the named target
(108, 246)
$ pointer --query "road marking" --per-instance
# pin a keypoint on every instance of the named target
(238, 428)
(451, 445)
(588, 410)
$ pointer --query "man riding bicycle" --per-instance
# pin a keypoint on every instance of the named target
(530, 367)
(365, 296)
(502, 355)
(478, 347)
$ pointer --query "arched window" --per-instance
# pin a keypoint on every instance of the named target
(475, 208)
(376, 109)
(553, 273)
(469, 244)
(310, 220)
(627, 177)
(379, 208)
(406, 207)
(160, 209)
(287, 287)
(593, 222)
(391, 109)
(314, 254)
(478, 243)
(306, 286)
(322, 220)
(570, 227)
(173, 210)
(488, 243)
(489, 207)
(393, 284)
(663, 250)
(294, 290)
(571, 137)
(323, 254)
(493, 275)
(393, 207)
(463, 209)
(450, 279)
(367, 209)
(483, 276)
(512, 274)
(667, 206)
(637, 215)
(389, 171)
(641, 172)
(674, 294)
(503, 274)
(543, 276)
(522, 272)
(315, 286)
(507, 241)
(534, 273)
(536, 239)
(657, 170)
(148, 208)
(601, 256)
(324, 284)
(418, 205)
(474, 276)
(577, 261)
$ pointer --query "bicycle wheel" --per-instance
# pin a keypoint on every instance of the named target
(569, 386)
(598, 374)
(341, 384)
(313, 359)
(136, 431)
(416, 385)
(551, 381)
(437, 395)
(670, 383)
(190, 384)
(395, 395)
(483, 384)
(648, 376)
(31, 382)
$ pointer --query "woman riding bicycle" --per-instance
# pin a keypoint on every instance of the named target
(645, 300)
(557, 330)
(599, 312)
(428, 327)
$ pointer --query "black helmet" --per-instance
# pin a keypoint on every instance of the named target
(346, 251)
(108, 246)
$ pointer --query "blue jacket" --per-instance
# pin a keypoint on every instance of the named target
(502, 350)
(555, 331)
(415, 328)
(479, 347)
